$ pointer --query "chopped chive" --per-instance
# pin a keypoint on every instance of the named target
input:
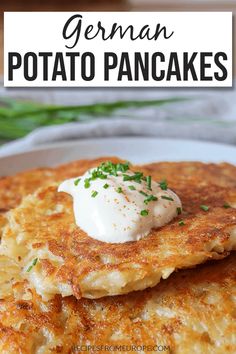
(94, 175)
(94, 194)
(132, 188)
(32, 265)
(149, 182)
(150, 198)
(127, 178)
(226, 206)
(204, 207)
(107, 168)
(181, 223)
(138, 176)
(76, 182)
(144, 212)
(102, 176)
(122, 167)
(119, 190)
(179, 210)
(86, 183)
(143, 193)
(167, 198)
(163, 185)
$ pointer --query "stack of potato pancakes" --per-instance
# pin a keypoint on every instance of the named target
(62, 291)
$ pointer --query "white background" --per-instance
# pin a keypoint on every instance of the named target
(193, 31)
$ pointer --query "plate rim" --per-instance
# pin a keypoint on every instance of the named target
(63, 152)
(65, 144)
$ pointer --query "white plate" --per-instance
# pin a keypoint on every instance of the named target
(137, 150)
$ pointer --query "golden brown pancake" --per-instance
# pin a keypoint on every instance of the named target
(194, 311)
(69, 262)
(9, 275)
(14, 188)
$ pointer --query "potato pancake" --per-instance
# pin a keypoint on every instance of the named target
(9, 275)
(14, 188)
(64, 260)
(194, 311)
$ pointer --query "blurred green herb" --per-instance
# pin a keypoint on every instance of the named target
(18, 118)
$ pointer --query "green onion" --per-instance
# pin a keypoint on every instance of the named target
(163, 185)
(94, 194)
(138, 176)
(127, 178)
(143, 193)
(76, 182)
(204, 207)
(102, 176)
(150, 198)
(149, 182)
(144, 212)
(18, 118)
(181, 223)
(226, 206)
(178, 210)
(32, 265)
(167, 198)
(109, 168)
(132, 188)
(87, 183)
(122, 167)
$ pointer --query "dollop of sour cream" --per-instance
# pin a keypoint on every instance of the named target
(117, 205)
